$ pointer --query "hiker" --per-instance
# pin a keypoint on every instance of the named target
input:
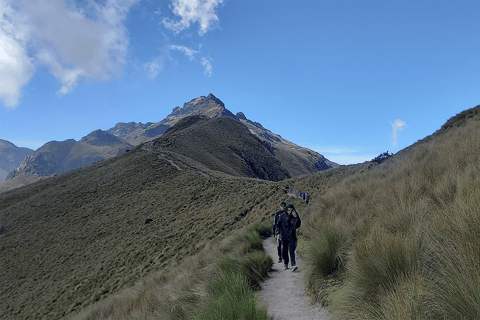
(276, 231)
(288, 223)
(307, 198)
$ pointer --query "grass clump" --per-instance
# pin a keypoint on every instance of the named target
(327, 253)
(231, 293)
(232, 299)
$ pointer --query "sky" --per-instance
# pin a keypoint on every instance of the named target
(348, 79)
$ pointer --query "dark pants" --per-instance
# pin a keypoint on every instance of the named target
(289, 246)
(279, 248)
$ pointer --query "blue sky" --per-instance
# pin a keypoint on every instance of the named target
(349, 79)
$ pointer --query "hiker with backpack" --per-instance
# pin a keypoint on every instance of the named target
(276, 231)
(287, 224)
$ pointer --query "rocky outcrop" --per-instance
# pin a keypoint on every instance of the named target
(11, 157)
(57, 157)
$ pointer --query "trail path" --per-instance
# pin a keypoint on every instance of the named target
(283, 291)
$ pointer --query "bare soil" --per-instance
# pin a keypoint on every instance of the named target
(284, 294)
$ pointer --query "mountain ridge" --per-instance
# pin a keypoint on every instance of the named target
(100, 144)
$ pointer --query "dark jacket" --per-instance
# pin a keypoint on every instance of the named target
(287, 224)
(275, 220)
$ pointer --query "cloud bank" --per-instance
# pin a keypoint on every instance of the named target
(72, 42)
(191, 11)
(396, 126)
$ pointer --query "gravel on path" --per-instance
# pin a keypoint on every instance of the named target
(284, 294)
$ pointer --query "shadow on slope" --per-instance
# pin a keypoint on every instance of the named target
(222, 144)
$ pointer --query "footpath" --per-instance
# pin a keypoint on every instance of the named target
(283, 291)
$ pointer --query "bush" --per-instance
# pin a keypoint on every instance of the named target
(382, 157)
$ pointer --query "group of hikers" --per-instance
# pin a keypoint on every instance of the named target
(285, 223)
(305, 196)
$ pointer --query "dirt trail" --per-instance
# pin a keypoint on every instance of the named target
(283, 291)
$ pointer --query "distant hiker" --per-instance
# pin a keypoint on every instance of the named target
(301, 195)
(276, 230)
(288, 223)
(307, 198)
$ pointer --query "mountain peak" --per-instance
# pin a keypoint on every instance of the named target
(215, 99)
(209, 106)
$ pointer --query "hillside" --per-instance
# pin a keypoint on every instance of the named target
(400, 240)
(221, 144)
(94, 230)
(397, 240)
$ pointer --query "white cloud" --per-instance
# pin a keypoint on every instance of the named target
(396, 126)
(191, 11)
(190, 53)
(72, 42)
(154, 67)
(16, 67)
(208, 66)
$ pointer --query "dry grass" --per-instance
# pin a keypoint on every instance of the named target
(399, 240)
(216, 283)
(413, 229)
(91, 232)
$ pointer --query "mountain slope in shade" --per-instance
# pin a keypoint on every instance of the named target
(10, 157)
(222, 144)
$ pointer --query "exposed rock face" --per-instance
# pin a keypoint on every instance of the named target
(135, 134)
(129, 131)
(57, 157)
(10, 157)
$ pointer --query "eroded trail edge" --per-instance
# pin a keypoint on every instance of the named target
(284, 294)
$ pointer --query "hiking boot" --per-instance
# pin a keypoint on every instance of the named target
(294, 268)
(285, 267)
(280, 260)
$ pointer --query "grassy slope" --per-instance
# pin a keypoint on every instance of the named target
(401, 238)
(73, 238)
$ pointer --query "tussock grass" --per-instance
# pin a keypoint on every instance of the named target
(401, 240)
(327, 253)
